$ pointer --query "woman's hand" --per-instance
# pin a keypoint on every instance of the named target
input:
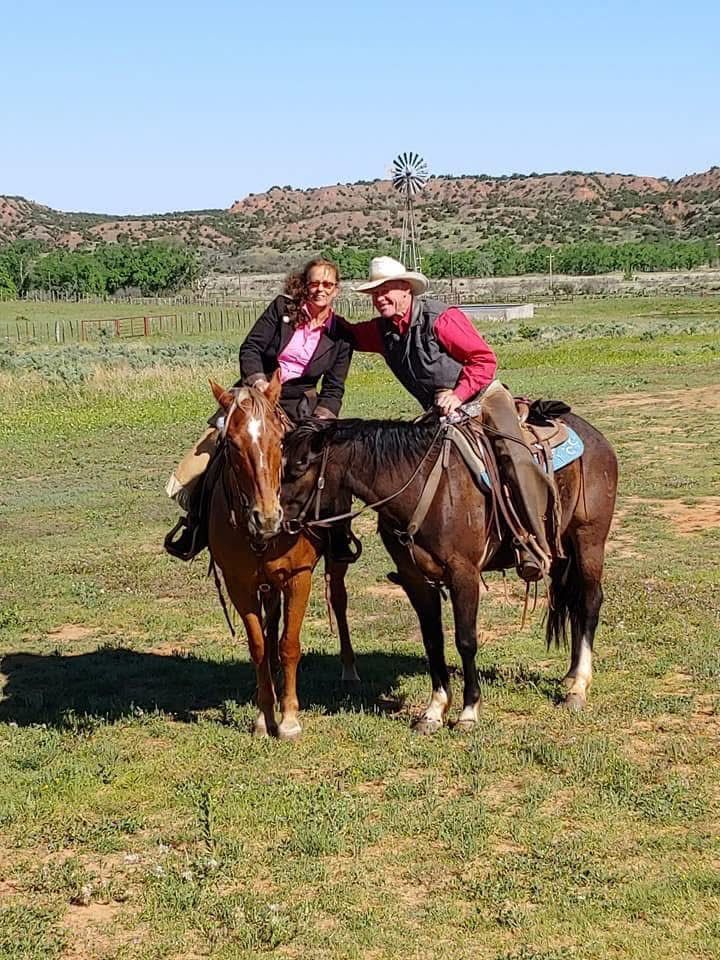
(261, 385)
(447, 402)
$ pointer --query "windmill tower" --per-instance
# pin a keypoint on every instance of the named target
(409, 173)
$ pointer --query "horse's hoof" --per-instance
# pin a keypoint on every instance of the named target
(351, 681)
(426, 727)
(290, 731)
(465, 726)
(261, 729)
(574, 702)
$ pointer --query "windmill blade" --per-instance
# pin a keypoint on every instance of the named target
(409, 173)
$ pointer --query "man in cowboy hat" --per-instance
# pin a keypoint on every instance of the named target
(440, 358)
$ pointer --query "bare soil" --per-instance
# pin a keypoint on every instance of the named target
(687, 518)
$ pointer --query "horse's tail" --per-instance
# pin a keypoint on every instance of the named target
(565, 598)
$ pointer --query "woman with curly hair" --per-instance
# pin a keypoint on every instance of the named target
(301, 338)
(300, 335)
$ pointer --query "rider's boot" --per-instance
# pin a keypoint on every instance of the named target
(342, 545)
(188, 537)
(532, 492)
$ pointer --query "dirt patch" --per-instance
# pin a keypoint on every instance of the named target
(678, 683)
(7, 889)
(691, 398)
(507, 848)
(170, 649)
(692, 518)
(501, 794)
(642, 740)
(687, 518)
(621, 543)
(393, 860)
(92, 931)
(706, 715)
(70, 632)
(386, 590)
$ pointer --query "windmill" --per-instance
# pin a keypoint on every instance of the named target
(409, 173)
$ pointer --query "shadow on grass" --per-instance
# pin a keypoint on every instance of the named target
(522, 677)
(118, 683)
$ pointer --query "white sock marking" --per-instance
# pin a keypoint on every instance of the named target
(438, 706)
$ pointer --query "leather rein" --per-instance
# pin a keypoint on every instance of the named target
(451, 435)
(301, 524)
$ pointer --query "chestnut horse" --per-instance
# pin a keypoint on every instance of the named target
(387, 464)
(259, 562)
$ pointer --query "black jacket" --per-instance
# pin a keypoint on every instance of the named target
(331, 361)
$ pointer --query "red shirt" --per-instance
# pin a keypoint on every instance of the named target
(455, 334)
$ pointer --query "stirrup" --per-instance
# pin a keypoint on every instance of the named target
(526, 565)
(186, 546)
(528, 570)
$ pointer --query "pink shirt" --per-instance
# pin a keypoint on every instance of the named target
(300, 348)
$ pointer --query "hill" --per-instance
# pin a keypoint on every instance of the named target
(271, 228)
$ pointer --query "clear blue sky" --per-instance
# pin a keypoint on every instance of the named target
(151, 106)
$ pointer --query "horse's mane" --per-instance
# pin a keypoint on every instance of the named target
(386, 442)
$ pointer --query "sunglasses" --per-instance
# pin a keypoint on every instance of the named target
(325, 284)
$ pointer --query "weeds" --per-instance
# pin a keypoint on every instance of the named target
(129, 772)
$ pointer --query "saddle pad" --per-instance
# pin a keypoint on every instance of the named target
(571, 449)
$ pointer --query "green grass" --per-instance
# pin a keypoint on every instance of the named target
(605, 315)
(141, 820)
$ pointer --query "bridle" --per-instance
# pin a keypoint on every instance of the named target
(235, 496)
(301, 524)
(449, 435)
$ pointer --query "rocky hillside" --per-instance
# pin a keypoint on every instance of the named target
(453, 212)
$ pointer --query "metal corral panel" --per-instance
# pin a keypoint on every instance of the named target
(499, 311)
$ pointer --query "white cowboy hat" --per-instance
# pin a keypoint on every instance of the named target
(383, 269)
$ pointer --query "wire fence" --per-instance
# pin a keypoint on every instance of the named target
(196, 322)
(199, 318)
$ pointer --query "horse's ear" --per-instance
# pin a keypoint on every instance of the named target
(223, 397)
(274, 387)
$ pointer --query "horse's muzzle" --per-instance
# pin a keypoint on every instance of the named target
(265, 526)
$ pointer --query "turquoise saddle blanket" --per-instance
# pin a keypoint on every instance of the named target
(571, 449)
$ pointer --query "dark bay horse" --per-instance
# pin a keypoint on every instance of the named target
(259, 562)
(375, 459)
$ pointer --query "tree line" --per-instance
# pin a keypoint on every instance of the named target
(152, 268)
(503, 257)
(158, 267)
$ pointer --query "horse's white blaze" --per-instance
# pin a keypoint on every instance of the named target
(254, 429)
(438, 706)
